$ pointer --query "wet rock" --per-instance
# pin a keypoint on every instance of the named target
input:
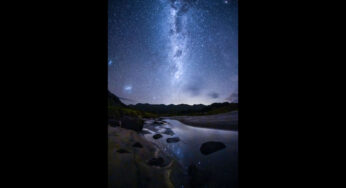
(173, 140)
(168, 131)
(211, 147)
(133, 123)
(113, 122)
(145, 132)
(157, 136)
(156, 161)
(159, 122)
(137, 145)
(198, 178)
(152, 128)
(122, 151)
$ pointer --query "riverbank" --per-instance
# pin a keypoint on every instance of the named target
(224, 121)
(136, 162)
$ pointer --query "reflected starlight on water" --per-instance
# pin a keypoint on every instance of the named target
(187, 150)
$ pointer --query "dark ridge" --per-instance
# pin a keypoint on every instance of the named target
(184, 109)
(113, 100)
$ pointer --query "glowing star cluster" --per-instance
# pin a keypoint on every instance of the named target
(173, 51)
(178, 37)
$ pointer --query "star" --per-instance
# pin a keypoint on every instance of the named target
(175, 51)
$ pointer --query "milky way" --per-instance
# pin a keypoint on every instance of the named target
(173, 51)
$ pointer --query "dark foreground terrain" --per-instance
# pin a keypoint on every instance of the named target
(193, 148)
(135, 162)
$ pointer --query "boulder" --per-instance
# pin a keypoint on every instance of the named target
(156, 161)
(173, 140)
(211, 147)
(145, 132)
(157, 136)
(159, 122)
(168, 131)
(137, 145)
(113, 122)
(133, 123)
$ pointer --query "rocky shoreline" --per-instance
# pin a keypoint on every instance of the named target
(136, 162)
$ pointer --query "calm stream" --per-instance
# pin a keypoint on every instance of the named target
(222, 164)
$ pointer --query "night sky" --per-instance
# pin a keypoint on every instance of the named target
(173, 51)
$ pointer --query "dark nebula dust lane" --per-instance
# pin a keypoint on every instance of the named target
(173, 51)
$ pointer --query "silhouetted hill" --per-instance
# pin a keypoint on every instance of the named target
(113, 100)
(117, 109)
(184, 109)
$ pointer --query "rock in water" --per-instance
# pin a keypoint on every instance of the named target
(145, 132)
(159, 122)
(156, 161)
(168, 131)
(211, 147)
(173, 140)
(157, 136)
(137, 145)
(133, 123)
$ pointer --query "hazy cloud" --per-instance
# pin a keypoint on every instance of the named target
(126, 99)
(213, 95)
(193, 90)
(195, 86)
(233, 98)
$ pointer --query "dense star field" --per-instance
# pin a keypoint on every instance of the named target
(173, 51)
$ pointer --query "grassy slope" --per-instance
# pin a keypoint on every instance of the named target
(117, 112)
(117, 109)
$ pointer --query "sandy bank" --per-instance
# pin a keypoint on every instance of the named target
(128, 165)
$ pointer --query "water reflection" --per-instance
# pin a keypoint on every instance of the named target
(222, 164)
